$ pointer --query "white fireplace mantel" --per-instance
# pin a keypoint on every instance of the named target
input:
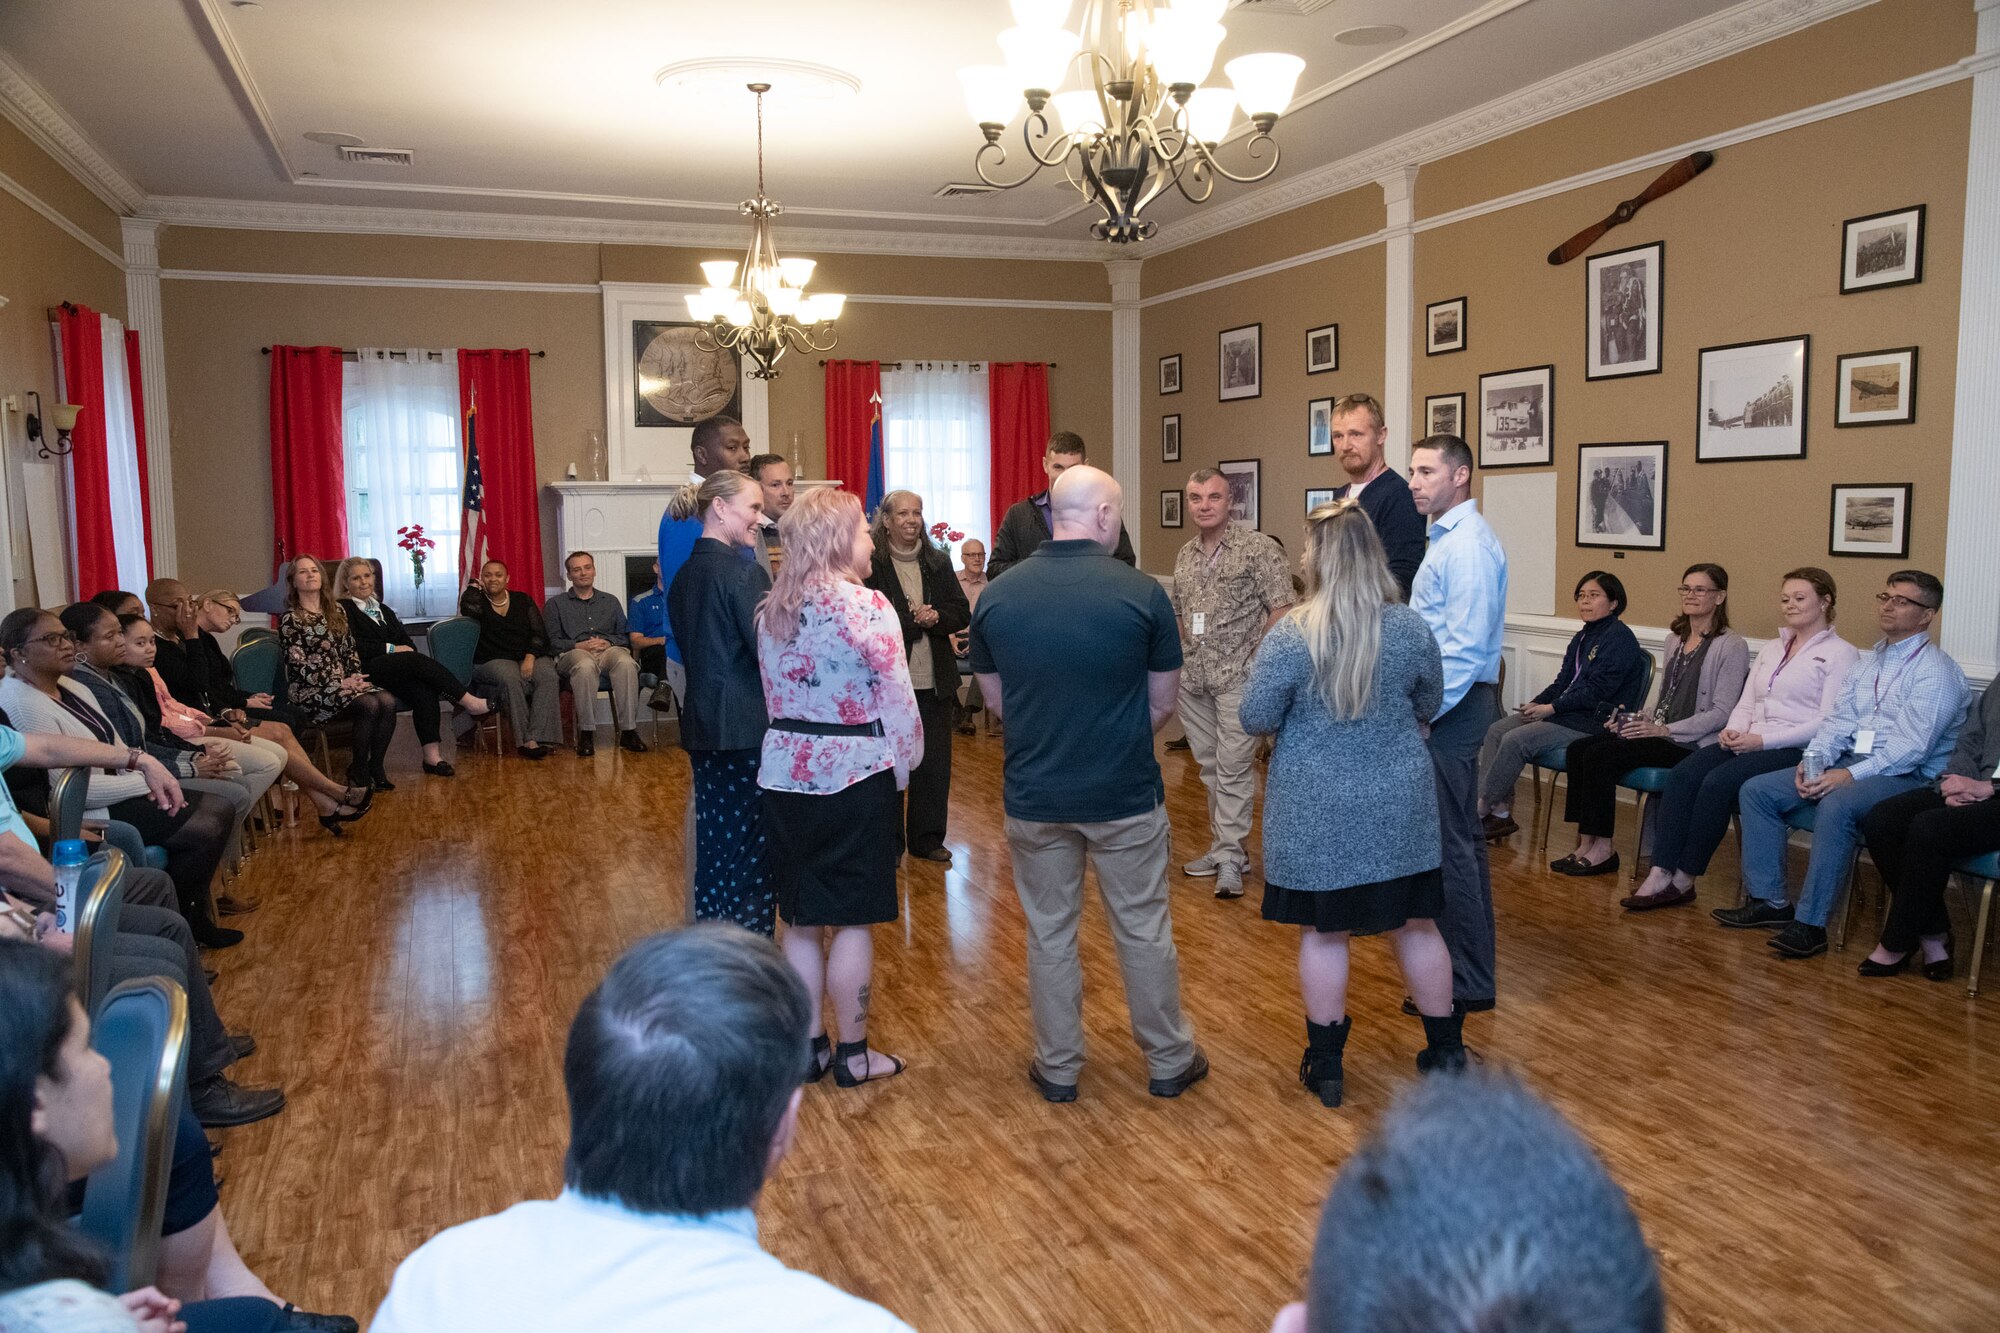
(614, 519)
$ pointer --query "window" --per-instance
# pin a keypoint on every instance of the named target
(937, 441)
(401, 437)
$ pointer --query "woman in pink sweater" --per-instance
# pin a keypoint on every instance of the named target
(1794, 684)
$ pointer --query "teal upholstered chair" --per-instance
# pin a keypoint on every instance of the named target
(452, 642)
(142, 1030)
(1986, 870)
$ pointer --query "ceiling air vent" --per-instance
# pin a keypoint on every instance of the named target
(963, 189)
(380, 157)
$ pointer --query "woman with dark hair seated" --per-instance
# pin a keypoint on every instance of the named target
(324, 673)
(1603, 669)
(390, 660)
(56, 1127)
(39, 697)
(514, 656)
(1707, 664)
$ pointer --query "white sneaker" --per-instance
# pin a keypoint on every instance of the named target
(1203, 868)
(1229, 880)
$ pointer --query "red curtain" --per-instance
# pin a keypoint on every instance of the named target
(308, 467)
(82, 331)
(139, 430)
(507, 469)
(851, 388)
(1018, 394)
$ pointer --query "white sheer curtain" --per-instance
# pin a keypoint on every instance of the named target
(401, 440)
(937, 441)
(121, 457)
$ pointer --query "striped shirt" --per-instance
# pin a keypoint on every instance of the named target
(1911, 696)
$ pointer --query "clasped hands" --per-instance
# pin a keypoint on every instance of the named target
(1829, 782)
(1958, 790)
(1632, 727)
(925, 615)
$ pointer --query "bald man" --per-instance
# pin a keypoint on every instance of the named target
(1079, 654)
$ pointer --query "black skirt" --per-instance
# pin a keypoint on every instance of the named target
(836, 855)
(1363, 909)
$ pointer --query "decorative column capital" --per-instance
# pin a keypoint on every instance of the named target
(142, 244)
(1399, 196)
(1124, 281)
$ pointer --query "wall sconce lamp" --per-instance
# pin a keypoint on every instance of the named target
(63, 418)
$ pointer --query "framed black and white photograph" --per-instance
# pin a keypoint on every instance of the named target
(1170, 509)
(1621, 495)
(1170, 438)
(1871, 520)
(1882, 250)
(1319, 427)
(1876, 388)
(1444, 414)
(1517, 410)
(1622, 292)
(1170, 373)
(1240, 373)
(1322, 349)
(1444, 326)
(1244, 476)
(1317, 496)
(1752, 401)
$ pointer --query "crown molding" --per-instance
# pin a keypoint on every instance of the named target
(41, 206)
(23, 102)
(1688, 47)
(266, 216)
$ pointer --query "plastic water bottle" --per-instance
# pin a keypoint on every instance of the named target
(70, 855)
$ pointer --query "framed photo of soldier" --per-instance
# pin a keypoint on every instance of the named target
(1322, 349)
(1170, 509)
(1170, 373)
(1622, 292)
(1517, 411)
(1871, 520)
(1876, 388)
(1240, 354)
(1621, 495)
(1319, 428)
(1170, 438)
(1752, 401)
(1444, 326)
(1882, 250)
(1444, 414)
(1244, 476)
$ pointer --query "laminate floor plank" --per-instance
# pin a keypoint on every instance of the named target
(1806, 1149)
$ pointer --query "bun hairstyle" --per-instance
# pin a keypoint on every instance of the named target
(1821, 581)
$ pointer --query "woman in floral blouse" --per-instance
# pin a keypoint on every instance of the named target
(844, 735)
(324, 674)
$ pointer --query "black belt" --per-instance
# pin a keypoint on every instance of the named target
(804, 728)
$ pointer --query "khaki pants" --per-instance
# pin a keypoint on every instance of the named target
(1131, 860)
(585, 670)
(1228, 769)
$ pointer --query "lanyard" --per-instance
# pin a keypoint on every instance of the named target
(1797, 646)
(1893, 679)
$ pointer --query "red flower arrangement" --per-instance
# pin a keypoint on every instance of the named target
(412, 539)
(945, 532)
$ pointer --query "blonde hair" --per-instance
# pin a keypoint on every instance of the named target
(719, 486)
(329, 605)
(1347, 584)
(340, 574)
(817, 533)
(222, 597)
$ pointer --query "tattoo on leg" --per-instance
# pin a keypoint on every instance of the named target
(861, 1011)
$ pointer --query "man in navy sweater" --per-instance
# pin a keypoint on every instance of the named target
(1359, 434)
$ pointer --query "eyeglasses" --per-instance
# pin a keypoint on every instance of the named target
(1892, 599)
(1689, 590)
(56, 640)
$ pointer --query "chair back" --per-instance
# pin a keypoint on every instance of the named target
(452, 642)
(1646, 691)
(142, 1030)
(100, 895)
(257, 665)
(69, 792)
(256, 634)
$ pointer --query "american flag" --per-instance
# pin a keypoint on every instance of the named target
(471, 519)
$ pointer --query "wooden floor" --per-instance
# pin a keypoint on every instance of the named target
(1806, 1150)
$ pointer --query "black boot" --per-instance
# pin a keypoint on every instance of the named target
(1446, 1049)
(1320, 1070)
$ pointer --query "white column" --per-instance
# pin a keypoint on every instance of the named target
(1125, 386)
(1400, 258)
(1971, 557)
(142, 312)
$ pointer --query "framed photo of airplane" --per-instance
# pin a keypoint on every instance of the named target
(1871, 520)
(1876, 388)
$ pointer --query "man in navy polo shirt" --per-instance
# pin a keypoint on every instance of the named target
(1080, 656)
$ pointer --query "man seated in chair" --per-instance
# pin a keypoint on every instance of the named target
(646, 632)
(684, 1070)
(1899, 714)
(587, 627)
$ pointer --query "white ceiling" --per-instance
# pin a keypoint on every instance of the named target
(529, 107)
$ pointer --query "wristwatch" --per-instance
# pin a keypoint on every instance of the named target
(132, 758)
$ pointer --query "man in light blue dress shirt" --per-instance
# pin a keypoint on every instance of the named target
(1461, 592)
(684, 1072)
(1899, 714)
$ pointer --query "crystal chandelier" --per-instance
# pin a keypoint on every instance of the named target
(1136, 120)
(769, 312)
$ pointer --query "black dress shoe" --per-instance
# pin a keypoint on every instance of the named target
(586, 744)
(229, 905)
(535, 752)
(1753, 914)
(1051, 1090)
(938, 854)
(1799, 940)
(210, 936)
(220, 1104)
(292, 1319)
(1181, 744)
(380, 783)
(1870, 968)
(441, 769)
(630, 740)
(1196, 1071)
(243, 1044)
(1576, 866)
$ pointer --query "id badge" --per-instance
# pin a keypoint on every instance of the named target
(1864, 741)
(1198, 624)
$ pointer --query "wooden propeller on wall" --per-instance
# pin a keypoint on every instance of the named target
(1679, 174)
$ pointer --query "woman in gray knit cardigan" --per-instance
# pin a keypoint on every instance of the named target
(1348, 682)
